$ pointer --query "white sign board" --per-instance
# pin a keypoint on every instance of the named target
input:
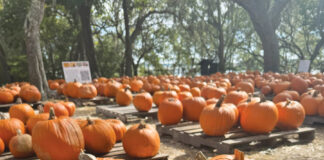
(77, 71)
(303, 65)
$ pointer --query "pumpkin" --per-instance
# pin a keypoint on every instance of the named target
(251, 100)
(70, 106)
(184, 87)
(87, 91)
(111, 88)
(195, 91)
(136, 85)
(21, 146)
(71, 89)
(212, 92)
(291, 115)
(54, 85)
(192, 108)
(217, 119)
(14, 90)
(266, 90)
(246, 86)
(60, 89)
(141, 141)
(211, 101)
(2, 146)
(184, 95)
(311, 103)
(260, 117)
(156, 97)
(298, 84)
(143, 102)
(124, 97)
(238, 155)
(281, 86)
(294, 95)
(57, 138)
(281, 97)
(85, 156)
(236, 97)
(167, 106)
(22, 112)
(9, 127)
(59, 109)
(6, 96)
(99, 136)
(119, 128)
(36, 118)
(168, 94)
(30, 93)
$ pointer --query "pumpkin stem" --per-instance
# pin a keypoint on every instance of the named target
(19, 132)
(19, 100)
(220, 101)
(288, 102)
(238, 155)
(315, 94)
(40, 109)
(89, 121)
(262, 98)
(141, 124)
(51, 114)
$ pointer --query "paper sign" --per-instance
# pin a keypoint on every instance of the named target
(303, 65)
(77, 71)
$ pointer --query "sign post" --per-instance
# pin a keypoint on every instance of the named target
(303, 65)
(77, 71)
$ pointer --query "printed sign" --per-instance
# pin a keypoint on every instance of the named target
(77, 71)
(303, 65)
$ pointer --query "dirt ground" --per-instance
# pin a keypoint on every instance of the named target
(178, 151)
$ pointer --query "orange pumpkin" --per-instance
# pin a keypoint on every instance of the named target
(167, 106)
(124, 97)
(136, 85)
(36, 118)
(111, 88)
(291, 115)
(143, 102)
(30, 93)
(192, 108)
(281, 86)
(168, 94)
(87, 91)
(236, 97)
(248, 87)
(70, 106)
(311, 103)
(99, 136)
(9, 127)
(64, 136)
(156, 97)
(22, 112)
(59, 109)
(54, 85)
(184, 95)
(6, 96)
(211, 101)
(195, 91)
(238, 155)
(281, 97)
(71, 89)
(217, 119)
(298, 84)
(119, 128)
(2, 146)
(266, 90)
(321, 108)
(141, 141)
(20, 145)
(184, 87)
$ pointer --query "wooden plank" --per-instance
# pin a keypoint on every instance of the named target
(310, 120)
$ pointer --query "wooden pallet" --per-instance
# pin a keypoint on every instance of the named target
(190, 133)
(99, 100)
(310, 120)
(127, 114)
(117, 152)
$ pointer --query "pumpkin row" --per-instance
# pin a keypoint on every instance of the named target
(28, 93)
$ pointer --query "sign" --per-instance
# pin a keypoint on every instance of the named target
(77, 71)
(303, 65)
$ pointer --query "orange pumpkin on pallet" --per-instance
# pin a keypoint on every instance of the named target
(119, 128)
(22, 112)
(6, 96)
(170, 111)
(30, 93)
(87, 91)
(124, 97)
(192, 108)
(236, 97)
(291, 115)
(41, 116)
(143, 102)
(9, 127)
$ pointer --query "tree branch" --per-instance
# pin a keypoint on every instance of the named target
(275, 12)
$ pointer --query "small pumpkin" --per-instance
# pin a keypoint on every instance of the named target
(266, 90)
(217, 119)
(246, 86)
(99, 136)
(291, 115)
(141, 141)
(124, 97)
(119, 128)
(30, 94)
(22, 112)
(54, 85)
(9, 127)
(168, 94)
(184, 87)
(192, 108)
(143, 102)
(41, 116)
(170, 105)
(63, 134)
(21, 146)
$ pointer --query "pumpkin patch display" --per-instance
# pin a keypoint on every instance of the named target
(291, 115)
(9, 127)
(170, 111)
(143, 102)
(124, 97)
(64, 136)
(22, 112)
(192, 108)
(141, 141)
(21, 146)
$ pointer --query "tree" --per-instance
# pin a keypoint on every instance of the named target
(265, 17)
(36, 69)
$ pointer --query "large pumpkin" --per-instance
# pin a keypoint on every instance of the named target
(291, 115)
(9, 127)
(141, 141)
(57, 138)
(22, 112)
(143, 102)
(261, 117)
(21, 146)
(192, 108)
(87, 91)
(99, 136)
(124, 97)
(6, 96)
(30, 93)
(170, 111)
(72, 89)
(119, 128)
(217, 119)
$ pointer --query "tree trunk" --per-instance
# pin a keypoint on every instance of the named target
(5, 76)
(128, 44)
(85, 17)
(36, 69)
(219, 26)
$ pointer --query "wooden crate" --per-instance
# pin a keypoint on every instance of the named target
(117, 152)
(127, 114)
(190, 133)
(99, 100)
(310, 120)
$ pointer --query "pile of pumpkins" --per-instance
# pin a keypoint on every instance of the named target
(27, 92)
(52, 134)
